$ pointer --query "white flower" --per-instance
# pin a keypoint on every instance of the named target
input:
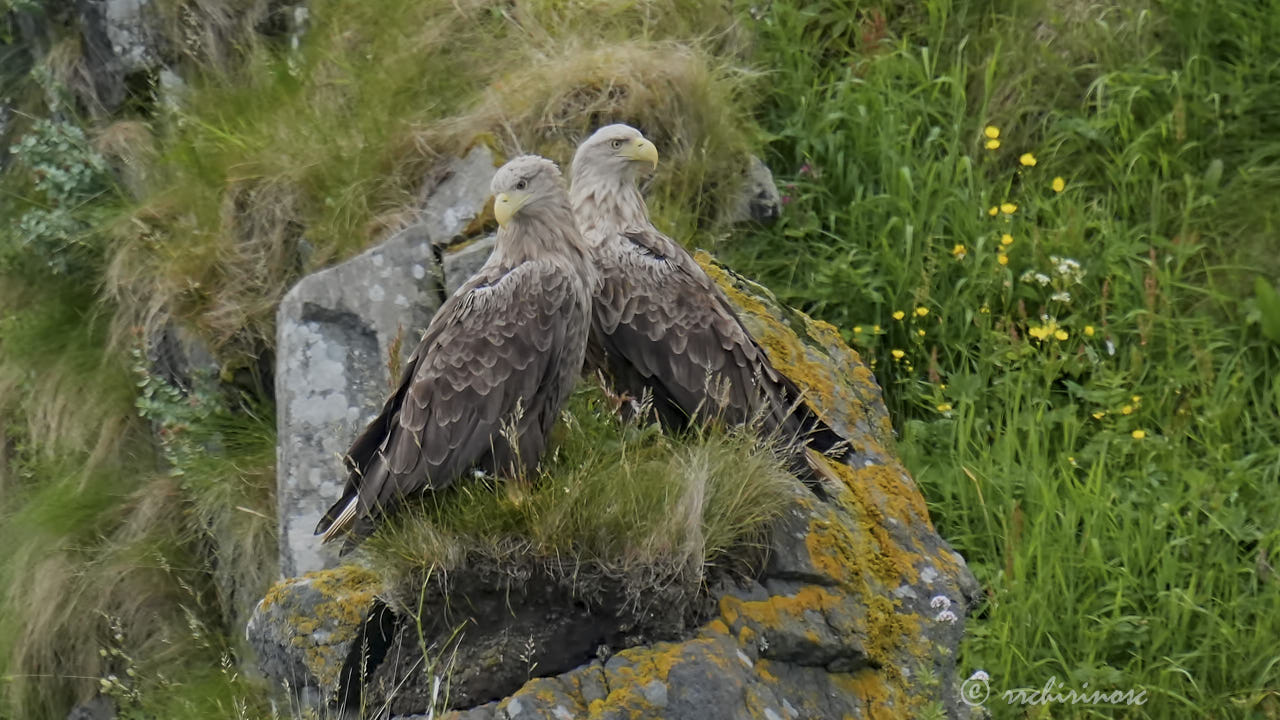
(980, 676)
(946, 616)
(940, 601)
(1061, 296)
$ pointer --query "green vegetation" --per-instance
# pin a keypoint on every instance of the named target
(1101, 445)
(612, 498)
(1100, 442)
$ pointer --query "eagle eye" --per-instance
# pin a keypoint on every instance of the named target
(615, 143)
(522, 184)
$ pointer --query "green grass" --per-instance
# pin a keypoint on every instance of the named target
(1119, 508)
(611, 499)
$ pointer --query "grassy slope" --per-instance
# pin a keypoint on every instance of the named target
(1109, 559)
(1119, 507)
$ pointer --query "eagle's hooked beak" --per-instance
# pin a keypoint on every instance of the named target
(507, 204)
(641, 150)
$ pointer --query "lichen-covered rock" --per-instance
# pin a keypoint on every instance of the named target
(858, 612)
(335, 334)
(304, 630)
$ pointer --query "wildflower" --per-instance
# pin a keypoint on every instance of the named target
(993, 145)
(1127, 410)
(1061, 335)
(944, 408)
(897, 354)
(1061, 296)
(1137, 399)
(1099, 415)
(1139, 434)
(1072, 459)
(875, 329)
(993, 211)
(922, 311)
(898, 314)
(980, 676)
(946, 616)
(1027, 159)
(1088, 330)
(857, 329)
(940, 601)
(1008, 208)
(1059, 184)
(991, 131)
(806, 169)
(1002, 259)
(1006, 239)
(958, 251)
(1033, 276)
(920, 332)
(985, 310)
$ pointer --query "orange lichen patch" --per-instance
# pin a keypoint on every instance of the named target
(717, 626)
(773, 612)
(347, 592)
(881, 700)
(646, 664)
(762, 668)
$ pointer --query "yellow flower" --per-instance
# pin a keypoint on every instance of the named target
(984, 309)
(898, 314)
(1008, 208)
(1059, 184)
(1027, 159)
(1006, 239)
(958, 251)
(857, 329)
(1002, 259)
(1137, 399)
(1038, 332)
(1088, 330)
(993, 211)
(875, 329)
(1099, 415)
(1139, 434)
(993, 144)
(920, 332)
(991, 131)
(1061, 335)
(897, 354)
(1127, 410)
(922, 311)
(944, 407)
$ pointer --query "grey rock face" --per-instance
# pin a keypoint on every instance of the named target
(126, 26)
(335, 332)
(456, 193)
(758, 200)
(463, 260)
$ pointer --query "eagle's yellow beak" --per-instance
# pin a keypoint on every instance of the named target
(641, 150)
(507, 204)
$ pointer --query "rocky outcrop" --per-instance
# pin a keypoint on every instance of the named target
(757, 199)
(858, 611)
(340, 330)
(337, 334)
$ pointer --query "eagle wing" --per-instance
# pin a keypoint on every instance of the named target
(491, 360)
(663, 325)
